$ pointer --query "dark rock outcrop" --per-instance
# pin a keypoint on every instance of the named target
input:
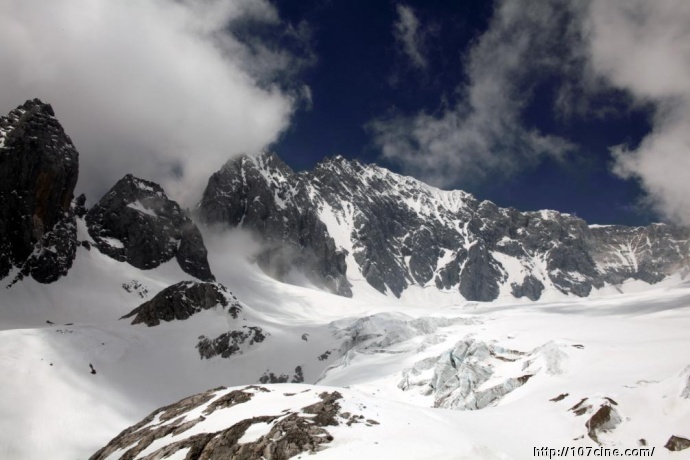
(677, 443)
(136, 222)
(254, 197)
(606, 418)
(39, 166)
(182, 300)
(530, 287)
(270, 377)
(287, 433)
(230, 343)
(395, 232)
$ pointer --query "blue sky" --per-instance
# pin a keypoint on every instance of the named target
(368, 75)
(576, 105)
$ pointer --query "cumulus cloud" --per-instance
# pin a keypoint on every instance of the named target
(482, 133)
(409, 34)
(634, 52)
(165, 89)
(644, 48)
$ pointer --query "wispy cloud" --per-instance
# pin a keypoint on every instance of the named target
(644, 48)
(410, 35)
(483, 133)
(165, 89)
(635, 52)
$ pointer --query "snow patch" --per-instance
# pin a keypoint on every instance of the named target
(114, 242)
(138, 206)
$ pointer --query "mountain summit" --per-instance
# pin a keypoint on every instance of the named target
(345, 220)
(39, 166)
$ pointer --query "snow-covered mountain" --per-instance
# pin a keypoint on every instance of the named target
(347, 221)
(129, 332)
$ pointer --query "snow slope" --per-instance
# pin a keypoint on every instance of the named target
(380, 352)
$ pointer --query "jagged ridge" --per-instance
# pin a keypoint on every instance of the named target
(345, 219)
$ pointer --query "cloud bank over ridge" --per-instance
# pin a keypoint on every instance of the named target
(159, 88)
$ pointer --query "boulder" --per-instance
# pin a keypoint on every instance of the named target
(182, 300)
(677, 443)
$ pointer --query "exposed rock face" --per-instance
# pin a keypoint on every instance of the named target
(182, 300)
(604, 415)
(270, 377)
(365, 221)
(260, 197)
(136, 222)
(286, 434)
(676, 443)
(606, 418)
(230, 343)
(39, 167)
(530, 287)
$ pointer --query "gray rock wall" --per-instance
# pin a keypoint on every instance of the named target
(39, 167)
(404, 233)
(269, 199)
(136, 222)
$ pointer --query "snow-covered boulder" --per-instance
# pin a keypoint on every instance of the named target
(182, 300)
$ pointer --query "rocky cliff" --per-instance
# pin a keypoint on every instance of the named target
(136, 222)
(38, 172)
(346, 220)
(264, 195)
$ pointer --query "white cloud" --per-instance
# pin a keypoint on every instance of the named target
(483, 132)
(634, 51)
(407, 31)
(159, 88)
(644, 48)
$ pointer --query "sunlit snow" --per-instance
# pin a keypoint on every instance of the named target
(381, 352)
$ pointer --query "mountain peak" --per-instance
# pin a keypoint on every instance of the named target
(135, 187)
(396, 232)
(39, 167)
(136, 222)
(36, 105)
